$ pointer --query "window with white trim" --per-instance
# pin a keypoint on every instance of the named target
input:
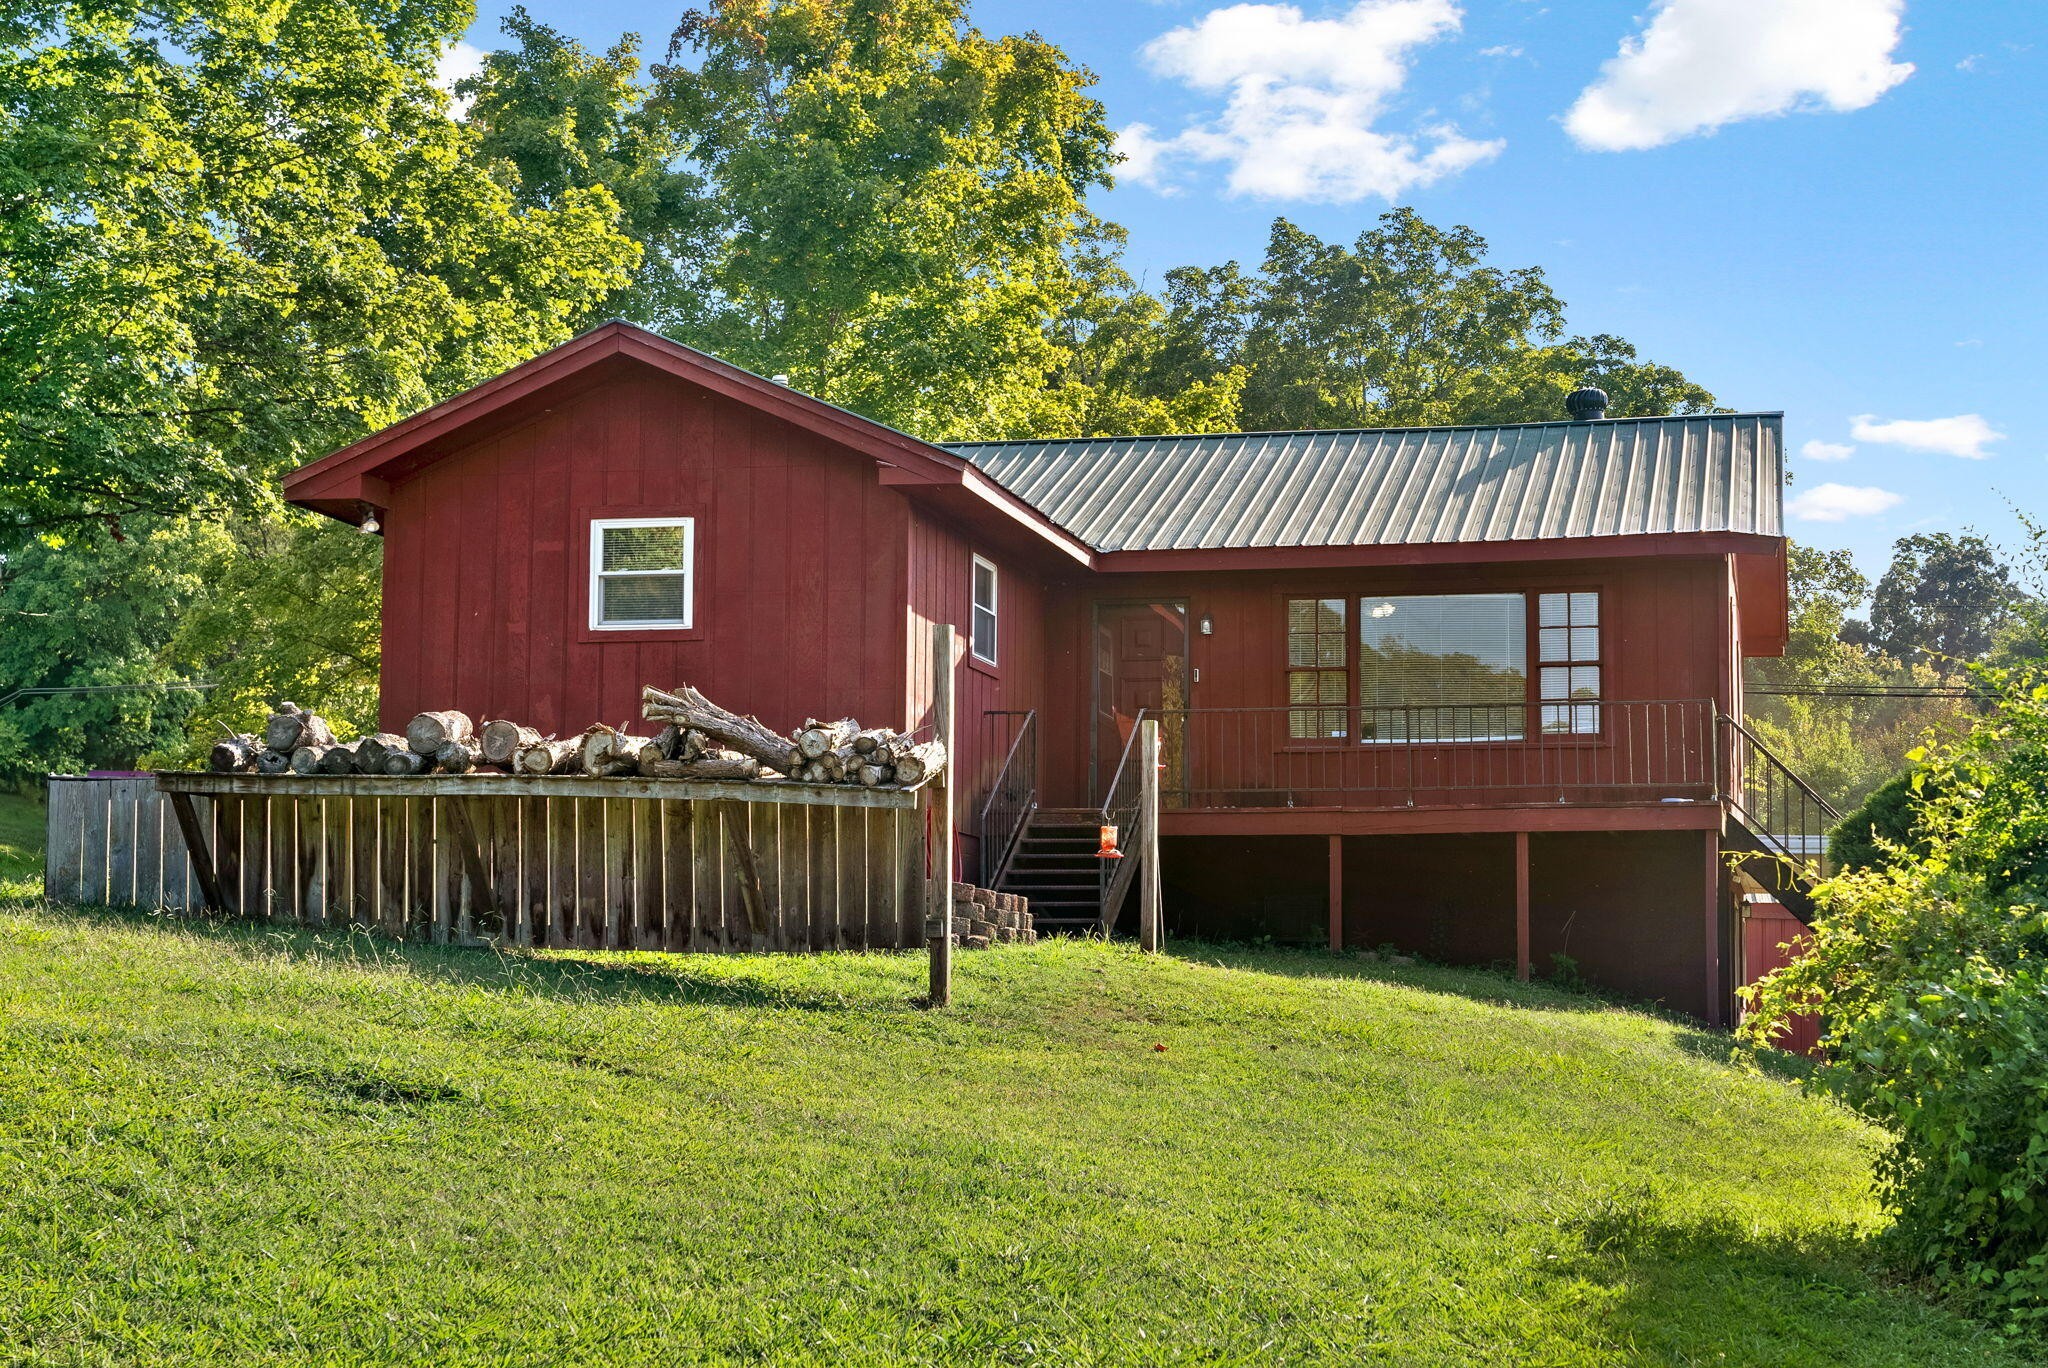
(1568, 661)
(642, 572)
(983, 638)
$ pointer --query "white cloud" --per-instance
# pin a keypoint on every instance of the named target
(1501, 50)
(1700, 64)
(1827, 451)
(1303, 96)
(460, 60)
(1838, 502)
(1965, 435)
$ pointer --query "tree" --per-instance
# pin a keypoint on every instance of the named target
(890, 197)
(556, 120)
(1944, 599)
(233, 237)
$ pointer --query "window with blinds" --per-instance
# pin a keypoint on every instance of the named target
(641, 572)
(1443, 667)
(1318, 670)
(1568, 662)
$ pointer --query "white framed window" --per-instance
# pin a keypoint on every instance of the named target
(642, 573)
(983, 640)
(1568, 661)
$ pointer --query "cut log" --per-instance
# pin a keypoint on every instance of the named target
(501, 740)
(818, 737)
(722, 765)
(233, 755)
(339, 759)
(404, 762)
(546, 757)
(281, 731)
(874, 776)
(607, 751)
(371, 750)
(458, 757)
(865, 742)
(429, 731)
(747, 735)
(920, 763)
(273, 761)
(306, 759)
(667, 743)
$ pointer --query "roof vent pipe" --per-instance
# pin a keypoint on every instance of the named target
(1586, 403)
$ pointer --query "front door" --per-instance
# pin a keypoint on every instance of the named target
(1141, 662)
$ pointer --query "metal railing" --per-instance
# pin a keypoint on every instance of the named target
(1120, 810)
(1012, 795)
(1589, 751)
(1787, 817)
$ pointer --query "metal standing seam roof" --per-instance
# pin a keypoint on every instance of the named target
(1403, 486)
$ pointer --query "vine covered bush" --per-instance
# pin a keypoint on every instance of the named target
(1929, 970)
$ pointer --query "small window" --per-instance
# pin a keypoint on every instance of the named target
(984, 638)
(1568, 662)
(1318, 670)
(640, 572)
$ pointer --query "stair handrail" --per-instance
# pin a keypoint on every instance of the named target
(1012, 798)
(1742, 785)
(1120, 810)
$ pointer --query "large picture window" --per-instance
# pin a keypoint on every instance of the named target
(641, 573)
(1443, 667)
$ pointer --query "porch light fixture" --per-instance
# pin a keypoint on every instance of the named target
(1107, 849)
(369, 526)
(1208, 625)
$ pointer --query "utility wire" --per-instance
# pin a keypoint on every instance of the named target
(1875, 691)
(100, 688)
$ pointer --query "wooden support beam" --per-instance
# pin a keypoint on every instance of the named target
(200, 850)
(940, 886)
(482, 896)
(1149, 932)
(1522, 906)
(1336, 895)
(733, 815)
(1717, 1014)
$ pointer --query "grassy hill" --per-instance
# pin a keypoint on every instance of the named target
(238, 1146)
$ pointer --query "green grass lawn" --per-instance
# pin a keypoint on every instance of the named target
(223, 1145)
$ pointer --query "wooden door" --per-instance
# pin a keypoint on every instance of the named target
(1141, 652)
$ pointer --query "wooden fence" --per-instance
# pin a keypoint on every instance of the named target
(560, 861)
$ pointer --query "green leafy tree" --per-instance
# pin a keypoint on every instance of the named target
(233, 236)
(1929, 972)
(890, 198)
(1945, 598)
(557, 120)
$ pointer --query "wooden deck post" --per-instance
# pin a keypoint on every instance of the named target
(1522, 906)
(200, 850)
(1716, 1010)
(939, 894)
(1148, 825)
(1336, 895)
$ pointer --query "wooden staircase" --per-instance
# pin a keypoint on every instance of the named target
(1056, 867)
(1776, 825)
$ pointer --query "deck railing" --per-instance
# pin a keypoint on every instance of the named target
(1120, 809)
(1587, 751)
(1788, 818)
(1012, 795)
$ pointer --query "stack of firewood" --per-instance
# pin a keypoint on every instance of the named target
(698, 740)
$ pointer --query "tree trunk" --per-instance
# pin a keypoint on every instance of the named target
(502, 740)
(458, 757)
(233, 755)
(546, 757)
(746, 735)
(429, 731)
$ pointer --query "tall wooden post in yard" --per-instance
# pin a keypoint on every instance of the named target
(939, 797)
(1148, 834)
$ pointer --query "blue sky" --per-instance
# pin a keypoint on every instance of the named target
(1830, 207)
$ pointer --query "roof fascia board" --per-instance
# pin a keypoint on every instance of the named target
(1434, 553)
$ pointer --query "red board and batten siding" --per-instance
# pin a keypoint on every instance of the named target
(941, 589)
(801, 564)
(1664, 630)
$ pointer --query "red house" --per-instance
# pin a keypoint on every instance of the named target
(1474, 692)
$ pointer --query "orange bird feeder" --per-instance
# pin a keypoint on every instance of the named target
(1107, 849)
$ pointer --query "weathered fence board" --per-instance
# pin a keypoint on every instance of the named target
(117, 841)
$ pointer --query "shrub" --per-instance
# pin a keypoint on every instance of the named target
(1886, 818)
(1929, 968)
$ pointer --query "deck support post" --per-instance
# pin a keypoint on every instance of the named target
(1336, 895)
(1148, 826)
(1522, 906)
(1716, 1010)
(199, 850)
(939, 919)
